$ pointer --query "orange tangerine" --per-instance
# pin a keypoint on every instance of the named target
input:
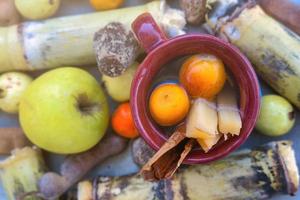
(203, 76)
(169, 104)
(106, 4)
(122, 121)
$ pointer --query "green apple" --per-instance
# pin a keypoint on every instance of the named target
(64, 111)
(37, 9)
(277, 116)
(119, 87)
(12, 87)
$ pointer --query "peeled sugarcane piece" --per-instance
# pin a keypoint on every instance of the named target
(68, 41)
(21, 172)
(52, 185)
(207, 144)
(249, 174)
(228, 112)
(12, 138)
(202, 121)
(286, 11)
(271, 47)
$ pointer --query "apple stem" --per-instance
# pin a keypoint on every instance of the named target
(85, 106)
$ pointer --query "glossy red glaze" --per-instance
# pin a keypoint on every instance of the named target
(184, 45)
(149, 34)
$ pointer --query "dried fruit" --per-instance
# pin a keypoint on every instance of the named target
(169, 104)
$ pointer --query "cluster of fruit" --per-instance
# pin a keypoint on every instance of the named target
(214, 111)
(63, 115)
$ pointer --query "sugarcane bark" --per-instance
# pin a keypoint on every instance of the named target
(272, 48)
(256, 174)
(65, 41)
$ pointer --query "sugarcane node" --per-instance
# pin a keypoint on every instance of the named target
(116, 49)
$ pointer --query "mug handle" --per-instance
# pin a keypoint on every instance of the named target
(148, 32)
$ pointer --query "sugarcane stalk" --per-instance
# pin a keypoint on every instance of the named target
(271, 47)
(21, 172)
(69, 40)
(248, 174)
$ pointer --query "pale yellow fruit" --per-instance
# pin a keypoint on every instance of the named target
(37, 9)
(119, 87)
(12, 87)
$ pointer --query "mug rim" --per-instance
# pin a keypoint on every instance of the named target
(136, 95)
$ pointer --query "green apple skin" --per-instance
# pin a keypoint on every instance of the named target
(37, 9)
(277, 116)
(118, 88)
(12, 87)
(64, 111)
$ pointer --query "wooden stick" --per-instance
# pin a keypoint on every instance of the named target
(249, 174)
(68, 41)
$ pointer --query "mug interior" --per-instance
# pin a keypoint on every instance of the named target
(233, 59)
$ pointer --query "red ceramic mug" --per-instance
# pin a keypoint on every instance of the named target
(162, 50)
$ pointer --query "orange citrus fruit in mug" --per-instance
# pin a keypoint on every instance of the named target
(169, 104)
(203, 76)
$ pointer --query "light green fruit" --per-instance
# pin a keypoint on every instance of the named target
(64, 111)
(12, 87)
(277, 116)
(37, 9)
(119, 87)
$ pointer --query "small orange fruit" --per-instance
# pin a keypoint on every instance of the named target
(203, 76)
(106, 4)
(169, 104)
(122, 122)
